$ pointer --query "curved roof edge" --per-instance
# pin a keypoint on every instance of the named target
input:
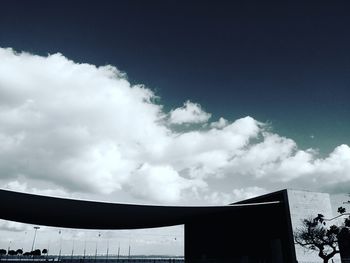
(71, 213)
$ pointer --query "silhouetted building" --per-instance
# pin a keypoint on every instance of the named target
(254, 230)
(262, 233)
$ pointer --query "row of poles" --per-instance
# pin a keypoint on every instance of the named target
(72, 254)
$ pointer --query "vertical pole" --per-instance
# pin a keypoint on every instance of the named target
(99, 235)
(59, 253)
(36, 228)
(48, 249)
(96, 252)
(129, 252)
(71, 257)
(107, 251)
(8, 249)
(84, 251)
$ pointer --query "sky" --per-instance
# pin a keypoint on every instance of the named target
(171, 102)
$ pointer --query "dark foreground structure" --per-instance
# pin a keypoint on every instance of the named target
(255, 230)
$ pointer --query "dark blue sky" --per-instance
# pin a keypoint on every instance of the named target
(286, 63)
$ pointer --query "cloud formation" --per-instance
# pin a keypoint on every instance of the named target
(189, 113)
(73, 129)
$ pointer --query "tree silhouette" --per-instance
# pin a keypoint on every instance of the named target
(12, 253)
(315, 234)
(19, 251)
(36, 252)
(3, 252)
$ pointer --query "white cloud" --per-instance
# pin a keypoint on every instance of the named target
(189, 113)
(221, 123)
(248, 192)
(81, 131)
(258, 159)
(336, 167)
(12, 226)
(237, 194)
(74, 129)
(70, 124)
(218, 198)
(160, 183)
(23, 187)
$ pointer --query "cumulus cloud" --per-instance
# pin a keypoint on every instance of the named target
(221, 123)
(12, 226)
(71, 124)
(23, 187)
(71, 129)
(237, 194)
(160, 183)
(248, 192)
(189, 113)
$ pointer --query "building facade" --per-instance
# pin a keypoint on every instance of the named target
(257, 230)
(263, 233)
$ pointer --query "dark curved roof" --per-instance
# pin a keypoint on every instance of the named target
(61, 212)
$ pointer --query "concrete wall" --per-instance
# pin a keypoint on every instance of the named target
(304, 204)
